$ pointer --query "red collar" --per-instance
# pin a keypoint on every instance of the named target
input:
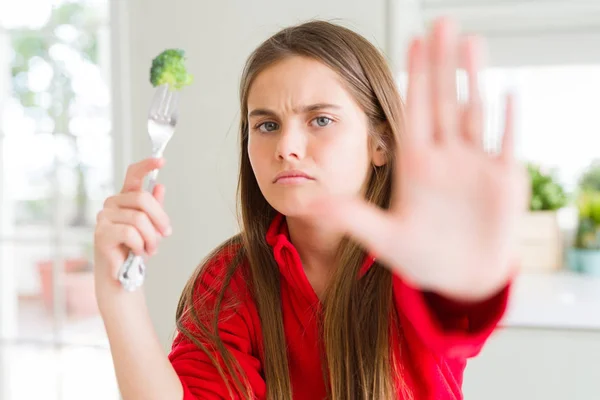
(290, 265)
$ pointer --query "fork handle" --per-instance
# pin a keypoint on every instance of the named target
(152, 176)
(133, 270)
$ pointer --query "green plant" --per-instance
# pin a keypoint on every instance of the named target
(588, 228)
(169, 68)
(546, 192)
(590, 180)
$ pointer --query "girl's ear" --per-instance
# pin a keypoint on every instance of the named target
(379, 157)
(378, 152)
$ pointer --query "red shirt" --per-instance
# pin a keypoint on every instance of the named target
(438, 334)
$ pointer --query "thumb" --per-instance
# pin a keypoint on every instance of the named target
(136, 173)
(374, 228)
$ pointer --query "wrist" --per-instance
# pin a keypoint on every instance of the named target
(112, 297)
(474, 294)
(480, 287)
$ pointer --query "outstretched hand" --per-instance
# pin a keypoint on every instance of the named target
(451, 227)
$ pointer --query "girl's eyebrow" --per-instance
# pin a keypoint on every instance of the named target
(262, 112)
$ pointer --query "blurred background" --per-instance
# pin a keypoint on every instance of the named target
(74, 93)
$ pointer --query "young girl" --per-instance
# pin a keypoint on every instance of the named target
(375, 249)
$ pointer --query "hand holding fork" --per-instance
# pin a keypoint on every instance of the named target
(132, 221)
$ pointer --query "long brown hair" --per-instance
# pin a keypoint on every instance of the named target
(357, 313)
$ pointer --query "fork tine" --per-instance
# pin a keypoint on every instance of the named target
(164, 101)
(172, 103)
(158, 100)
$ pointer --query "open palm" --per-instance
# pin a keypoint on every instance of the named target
(455, 207)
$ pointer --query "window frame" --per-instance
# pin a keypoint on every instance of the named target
(520, 32)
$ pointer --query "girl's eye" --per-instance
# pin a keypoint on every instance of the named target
(268, 126)
(322, 121)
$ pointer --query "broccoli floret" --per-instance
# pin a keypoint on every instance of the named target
(168, 67)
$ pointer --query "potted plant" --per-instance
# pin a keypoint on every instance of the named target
(590, 180)
(540, 240)
(584, 256)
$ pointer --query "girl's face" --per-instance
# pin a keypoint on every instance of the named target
(307, 136)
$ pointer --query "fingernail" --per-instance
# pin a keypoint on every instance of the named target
(168, 231)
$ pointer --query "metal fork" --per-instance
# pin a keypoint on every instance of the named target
(162, 119)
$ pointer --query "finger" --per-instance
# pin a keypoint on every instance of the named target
(159, 194)
(418, 95)
(508, 139)
(134, 179)
(472, 60)
(444, 62)
(140, 221)
(127, 235)
(143, 201)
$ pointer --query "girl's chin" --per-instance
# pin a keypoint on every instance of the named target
(294, 208)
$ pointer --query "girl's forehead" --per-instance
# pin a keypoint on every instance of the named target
(297, 80)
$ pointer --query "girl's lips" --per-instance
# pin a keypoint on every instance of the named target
(292, 176)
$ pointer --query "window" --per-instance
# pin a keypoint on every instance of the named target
(557, 122)
(56, 168)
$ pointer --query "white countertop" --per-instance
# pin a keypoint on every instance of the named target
(554, 300)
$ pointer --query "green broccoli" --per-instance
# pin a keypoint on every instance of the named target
(168, 67)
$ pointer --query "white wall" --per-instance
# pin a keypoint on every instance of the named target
(536, 364)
